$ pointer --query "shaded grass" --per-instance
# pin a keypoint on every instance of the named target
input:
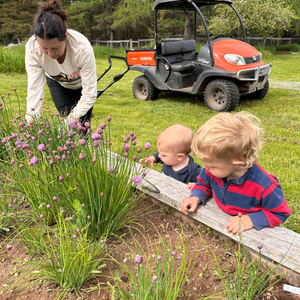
(278, 111)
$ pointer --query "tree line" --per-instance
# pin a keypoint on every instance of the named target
(134, 19)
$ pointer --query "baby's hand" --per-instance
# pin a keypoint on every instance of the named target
(233, 224)
(190, 185)
(150, 160)
(189, 204)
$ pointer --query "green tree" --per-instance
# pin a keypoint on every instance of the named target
(16, 18)
(261, 18)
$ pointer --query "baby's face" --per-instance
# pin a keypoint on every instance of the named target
(168, 157)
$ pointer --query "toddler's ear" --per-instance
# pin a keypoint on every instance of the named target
(181, 156)
(238, 163)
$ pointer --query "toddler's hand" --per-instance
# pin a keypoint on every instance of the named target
(190, 185)
(150, 160)
(189, 204)
(233, 224)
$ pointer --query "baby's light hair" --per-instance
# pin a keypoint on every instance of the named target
(176, 138)
(229, 136)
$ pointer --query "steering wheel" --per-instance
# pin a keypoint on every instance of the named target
(218, 35)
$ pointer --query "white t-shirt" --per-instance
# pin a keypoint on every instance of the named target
(78, 70)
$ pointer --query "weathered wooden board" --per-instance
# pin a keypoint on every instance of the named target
(279, 244)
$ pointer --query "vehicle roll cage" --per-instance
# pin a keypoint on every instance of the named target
(195, 6)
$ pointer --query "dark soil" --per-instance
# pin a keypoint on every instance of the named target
(203, 279)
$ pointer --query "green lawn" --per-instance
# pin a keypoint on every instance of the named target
(279, 113)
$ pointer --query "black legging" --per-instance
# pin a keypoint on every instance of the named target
(66, 99)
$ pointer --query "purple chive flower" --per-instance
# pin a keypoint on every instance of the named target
(48, 206)
(81, 156)
(126, 147)
(30, 164)
(62, 211)
(9, 205)
(102, 125)
(41, 216)
(8, 93)
(102, 194)
(137, 179)
(40, 131)
(159, 257)
(94, 159)
(70, 134)
(173, 253)
(3, 213)
(14, 89)
(131, 133)
(155, 236)
(96, 144)
(109, 118)
(41, 147)
(87, 124)
(82, 142)
(54, 198)
(259, 246)
(102, 241)
(68, 175)
(74, 236)
(154, 278)
(72, 124)
(78, 230)
(9, 247)
(110, 169)
(134, 143)
(34, 160)
(60, 178)
(58, 137)
(51, 162)
(96, 136)
(12, 161)
(88, 217)
(21, 124)
(138, 150)
(134, 157)
(147, 145)
(138, 259)
(144, 174)
(82, 205)
(99, 130)
(125, 154)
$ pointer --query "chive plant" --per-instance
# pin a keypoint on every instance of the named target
(156, 275)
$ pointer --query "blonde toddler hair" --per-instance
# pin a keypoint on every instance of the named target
(177, 138)
(229, 136)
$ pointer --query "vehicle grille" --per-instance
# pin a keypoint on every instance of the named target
(250, 60)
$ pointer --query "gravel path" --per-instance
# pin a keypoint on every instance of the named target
(285, 85)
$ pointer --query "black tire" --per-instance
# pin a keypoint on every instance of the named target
(260, 94)
(221, 95)
(143, 89)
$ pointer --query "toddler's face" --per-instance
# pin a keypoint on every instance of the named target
(219, 168)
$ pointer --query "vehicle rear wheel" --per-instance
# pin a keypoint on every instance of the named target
(260, 94)
(143, 89)
(221, 95)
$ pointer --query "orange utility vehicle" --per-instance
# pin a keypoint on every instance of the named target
(224, 68)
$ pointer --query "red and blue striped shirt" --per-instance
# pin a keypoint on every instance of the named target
(257, 194)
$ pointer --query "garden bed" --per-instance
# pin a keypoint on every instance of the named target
(158, 219)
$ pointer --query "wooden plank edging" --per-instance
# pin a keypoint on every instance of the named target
(279, 244)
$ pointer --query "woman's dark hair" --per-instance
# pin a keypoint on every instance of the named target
(51, 21)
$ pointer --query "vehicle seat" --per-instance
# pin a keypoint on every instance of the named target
(180, 55)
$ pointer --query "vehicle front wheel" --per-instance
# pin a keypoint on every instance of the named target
(144, 89)
(221, 95)
(260, 94)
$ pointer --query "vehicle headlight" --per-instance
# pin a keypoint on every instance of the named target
(235, 59)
